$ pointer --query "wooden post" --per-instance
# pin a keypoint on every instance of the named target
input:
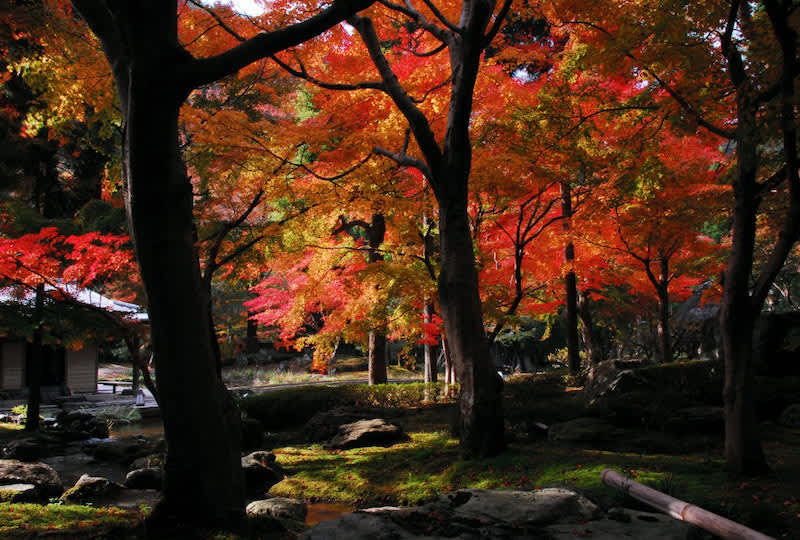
(713, 523)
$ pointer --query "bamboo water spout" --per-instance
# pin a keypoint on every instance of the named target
(718, 525)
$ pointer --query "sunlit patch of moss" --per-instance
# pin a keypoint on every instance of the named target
(26, 520)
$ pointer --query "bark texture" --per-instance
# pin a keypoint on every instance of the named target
(203, 484)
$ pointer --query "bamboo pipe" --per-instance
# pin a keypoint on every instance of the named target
(713, 523)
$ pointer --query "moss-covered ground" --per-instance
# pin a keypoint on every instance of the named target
(688, 467)
(428, 464)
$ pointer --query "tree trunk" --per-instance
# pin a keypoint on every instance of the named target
(743, 452)
(571, 285)
(203, 483)
(377, 358)
(34, 363)
(449, 372)
(377, 338)
(481, 413)
(201, 421)
(590, 342)
(430, 364)
(251, 341)
(664, 339)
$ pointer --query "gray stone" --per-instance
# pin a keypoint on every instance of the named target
(375, 432)
(638, 525)
(543, 506)
(19, 493)
(325, 424)
(582, 430)
(148, 478)
(261, 472)
(123, 451)
(278, 507)
(44, 477)
(613, 377)
(790, 417)
(473, 514)
(148, 462)
(92, 489)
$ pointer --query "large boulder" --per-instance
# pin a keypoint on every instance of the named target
(92, 489)
(278, 507)
(375, 432)
(613, 377)
(471, 514)
(324, 425)
(44, 477)
(261, 472)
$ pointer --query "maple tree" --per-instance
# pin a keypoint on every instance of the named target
(154, 72)
(728, 67)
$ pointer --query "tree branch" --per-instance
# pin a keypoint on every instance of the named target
(207, 70)
(416, 118)
(404, 160)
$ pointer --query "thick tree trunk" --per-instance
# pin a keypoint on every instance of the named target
(481, 412)
(203, 482)
(377, 358)
(430, 364)
(738, 316)
(34, 364)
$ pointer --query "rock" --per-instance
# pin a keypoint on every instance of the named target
(92, 489)
(148, 478)
(710, 420)
(790, 417)
(76, 425)
(638, 525)
(150, 461)
(471, 514)
(375, 432)
(543, 506)
(40, 475)
(582, 430)
(606, 381)
(123, 451)
(19, 493)
(278, 507)
(28, 449)
(325, 424)
(261, 472)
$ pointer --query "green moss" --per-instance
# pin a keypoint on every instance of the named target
(27, 520)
